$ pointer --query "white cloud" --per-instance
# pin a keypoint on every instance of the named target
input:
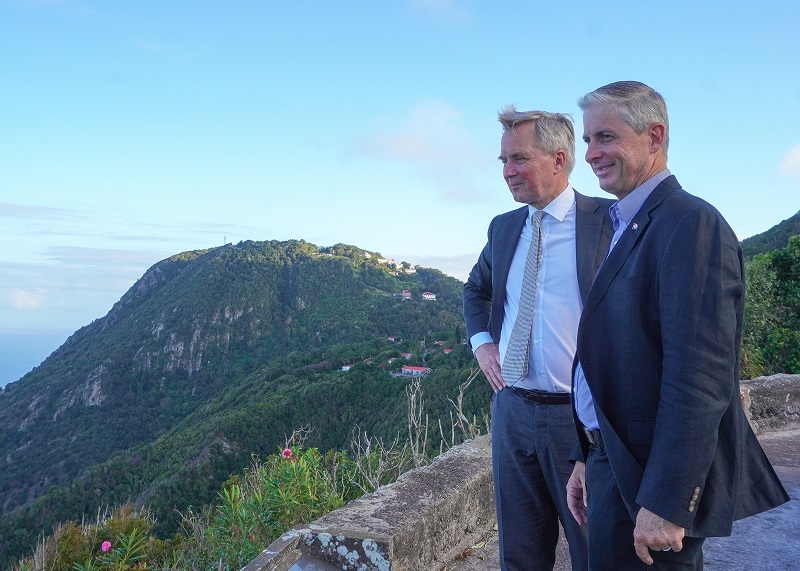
(433, 140)
(790, 165)
(456, 266)
(17, 211)
(24, 300)
(101, 257)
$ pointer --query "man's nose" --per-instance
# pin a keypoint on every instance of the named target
(592, 153)
(509, 170)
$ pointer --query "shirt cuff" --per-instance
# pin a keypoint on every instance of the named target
(480, 338)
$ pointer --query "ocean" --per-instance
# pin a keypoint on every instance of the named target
(23, 349)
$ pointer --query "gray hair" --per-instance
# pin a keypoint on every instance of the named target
(552, 132)
(639, 105)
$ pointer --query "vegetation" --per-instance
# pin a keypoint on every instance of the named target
(213, 357)
(210, 357)
(771, 338)
(253, 508)
(775, 238)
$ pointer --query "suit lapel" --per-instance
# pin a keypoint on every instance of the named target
(504, 244)
(593, 234)
(627, 242)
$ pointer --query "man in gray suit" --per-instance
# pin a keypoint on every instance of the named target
(522, 303)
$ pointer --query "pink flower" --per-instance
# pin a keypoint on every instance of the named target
(287, 453)
(106, 546)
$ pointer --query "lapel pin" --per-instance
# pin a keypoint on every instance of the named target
(635, 226)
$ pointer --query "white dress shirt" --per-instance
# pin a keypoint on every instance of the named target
(558, 300)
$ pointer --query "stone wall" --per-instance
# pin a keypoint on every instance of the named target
(772, 403)
(430, 516)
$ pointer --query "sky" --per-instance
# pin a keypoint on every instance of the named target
(132, 131)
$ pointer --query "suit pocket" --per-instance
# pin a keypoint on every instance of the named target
(640, 432)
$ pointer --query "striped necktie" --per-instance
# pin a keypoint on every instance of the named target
(515, 363)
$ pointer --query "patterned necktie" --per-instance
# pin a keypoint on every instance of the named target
(515, 363)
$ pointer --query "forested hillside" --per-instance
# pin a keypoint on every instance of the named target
(771, 338)
(212, 356)
(775, 238)
(216, 355)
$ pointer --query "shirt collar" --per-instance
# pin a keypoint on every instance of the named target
(559, 206)
(623, 211)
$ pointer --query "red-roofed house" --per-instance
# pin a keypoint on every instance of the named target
(428, 295)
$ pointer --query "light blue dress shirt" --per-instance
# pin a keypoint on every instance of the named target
(558, 304)
(621, 212)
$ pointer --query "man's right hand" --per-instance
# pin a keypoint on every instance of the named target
(576, 493)
(488, 356)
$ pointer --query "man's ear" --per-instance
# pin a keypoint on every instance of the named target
(657, 132)
(559, 161)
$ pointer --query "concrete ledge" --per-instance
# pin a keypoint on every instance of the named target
(423, 521)
(279, 556)
(772, 403)
(433, 515)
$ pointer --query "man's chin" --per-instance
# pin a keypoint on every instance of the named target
(519, 197)
(608, 186)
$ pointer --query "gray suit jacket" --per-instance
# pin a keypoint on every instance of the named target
(485, 289)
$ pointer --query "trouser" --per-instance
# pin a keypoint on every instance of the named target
(531, 444)
(611, 527)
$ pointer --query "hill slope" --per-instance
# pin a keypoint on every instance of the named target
(775, 238)
(210, 356)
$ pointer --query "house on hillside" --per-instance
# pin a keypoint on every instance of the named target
(412, 371)
(346, 368)
(406, 355)
(448, 351)
(429, 296)
(405, 294)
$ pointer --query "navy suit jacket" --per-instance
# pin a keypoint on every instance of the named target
(485, 289)
(659, 342)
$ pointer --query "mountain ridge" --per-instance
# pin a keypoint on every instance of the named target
(775, 238)
(218, 353)
(209, 356)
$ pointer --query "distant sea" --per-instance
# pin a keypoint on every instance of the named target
(23, 349)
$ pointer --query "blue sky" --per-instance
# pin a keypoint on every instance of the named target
(131, 131)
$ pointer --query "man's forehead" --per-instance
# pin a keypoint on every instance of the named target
(601, 113)
(516, 147)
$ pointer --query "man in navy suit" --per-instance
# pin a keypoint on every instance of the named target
(532, 428)
(666, 454)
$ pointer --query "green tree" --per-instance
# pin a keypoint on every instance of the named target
(771, 336)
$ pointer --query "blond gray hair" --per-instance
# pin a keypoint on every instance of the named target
(552, 132)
